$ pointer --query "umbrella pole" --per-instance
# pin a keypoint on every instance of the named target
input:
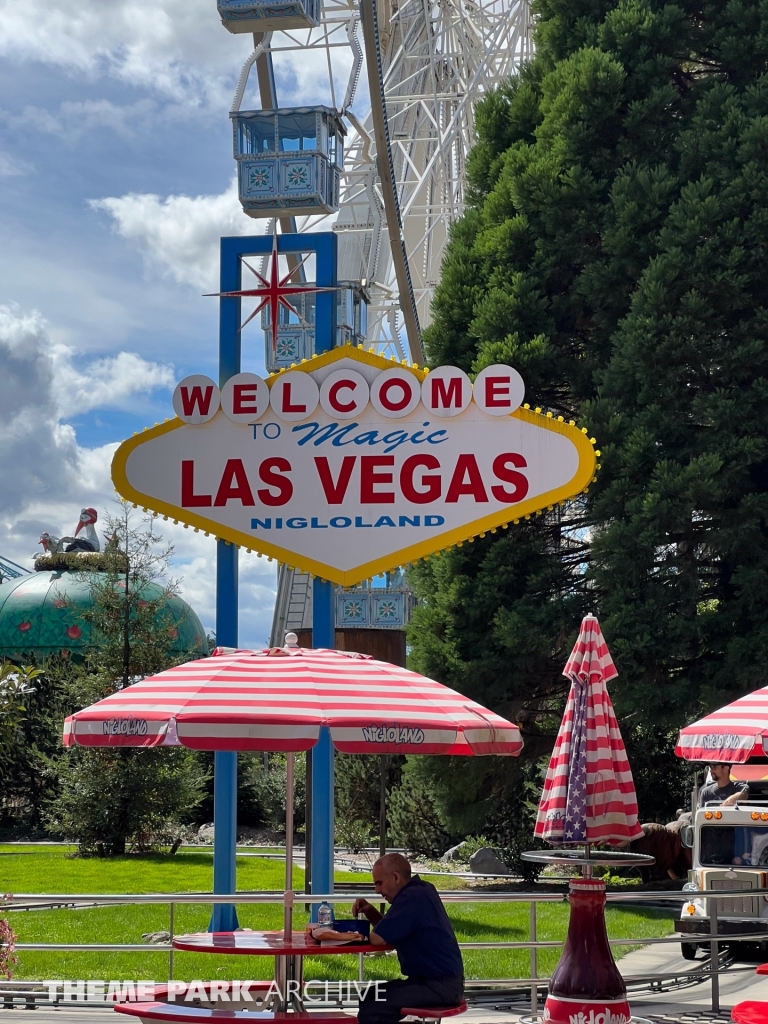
(587, 869)
(289, 796)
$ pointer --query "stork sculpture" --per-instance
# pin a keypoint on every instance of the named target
(90, 542)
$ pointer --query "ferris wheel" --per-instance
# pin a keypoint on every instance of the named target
(390, 183)
(401, 184)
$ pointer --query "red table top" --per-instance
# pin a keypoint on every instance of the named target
(267, 944)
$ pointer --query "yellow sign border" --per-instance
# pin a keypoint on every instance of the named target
(411, 553)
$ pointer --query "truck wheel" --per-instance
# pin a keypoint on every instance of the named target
(688, 949)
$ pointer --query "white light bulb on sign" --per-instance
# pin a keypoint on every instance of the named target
(344, 394)
(395, 393)
(196, 399)
(294, 396)
(498, 390)
(446, 391)
(245, 397)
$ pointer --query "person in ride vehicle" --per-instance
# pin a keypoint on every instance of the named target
(722, 789)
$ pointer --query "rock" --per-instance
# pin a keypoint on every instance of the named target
(205, 833)
(454, 853)
(156, 938)
(488, 862)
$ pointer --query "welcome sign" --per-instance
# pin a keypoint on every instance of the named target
(348, 465)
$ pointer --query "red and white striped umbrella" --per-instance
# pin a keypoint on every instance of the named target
(733, 734)
(279, 699)
(589, 794)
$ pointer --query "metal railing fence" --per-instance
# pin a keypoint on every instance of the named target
(709, 970)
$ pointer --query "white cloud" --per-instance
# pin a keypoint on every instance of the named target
(46, 477)
(104, 383)
(43, 471)
(75, 118)
(11, 166)
(180, 234)
(176, 48)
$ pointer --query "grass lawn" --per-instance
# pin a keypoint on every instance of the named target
(40, 869)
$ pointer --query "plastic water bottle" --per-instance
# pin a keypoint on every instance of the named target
(325, 914)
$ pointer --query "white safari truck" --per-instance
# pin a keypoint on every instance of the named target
(729, 848)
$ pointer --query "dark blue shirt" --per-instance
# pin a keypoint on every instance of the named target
(418, 927)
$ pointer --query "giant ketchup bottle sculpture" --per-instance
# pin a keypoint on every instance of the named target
(586, 987)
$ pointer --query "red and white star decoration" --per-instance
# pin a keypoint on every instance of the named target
(273, 291)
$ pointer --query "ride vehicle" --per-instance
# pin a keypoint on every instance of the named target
(289, 159)
(268, 15)
(730, 852)
(296, 331)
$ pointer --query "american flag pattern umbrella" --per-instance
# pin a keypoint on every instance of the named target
(279, 699)
(733, 734)
(589, 794)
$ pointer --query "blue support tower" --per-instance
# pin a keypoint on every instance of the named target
(323, 635)
(323, 244)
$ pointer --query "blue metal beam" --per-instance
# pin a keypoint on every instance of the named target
(323, 635)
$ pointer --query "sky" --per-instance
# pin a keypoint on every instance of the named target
(116, 183)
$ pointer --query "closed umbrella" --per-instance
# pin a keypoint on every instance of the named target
(279, 699)
(589, 794)
(589, 797)
(733, 734)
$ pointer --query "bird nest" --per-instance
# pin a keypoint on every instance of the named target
(100, 561)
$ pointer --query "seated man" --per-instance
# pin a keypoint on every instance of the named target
(417, 926)
(722, 789)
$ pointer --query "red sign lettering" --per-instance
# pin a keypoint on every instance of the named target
(497, 393)
(369, 479)
(334, 492)
(287, 405)
(510, 476)
(244, 398)
(234, 484)
(432, 482)
(466, 466)
(446, 393)
(195, 396)
(188, 497)
(395, 404)
(333, 395)
(270, 474)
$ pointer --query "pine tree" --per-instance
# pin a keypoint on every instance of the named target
(614, 252)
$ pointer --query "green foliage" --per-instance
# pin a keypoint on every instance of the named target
(351, 833)
(129, 612)
(118, 798)
(357, 784)
(614, 251)
(414, 819)
(15, 690)
(266, 775)
(109, 799)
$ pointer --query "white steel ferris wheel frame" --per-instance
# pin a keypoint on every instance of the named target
(428, 62)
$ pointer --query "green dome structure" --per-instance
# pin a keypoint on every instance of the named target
(42, 614)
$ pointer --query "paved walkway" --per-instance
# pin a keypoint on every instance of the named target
(666, 1004)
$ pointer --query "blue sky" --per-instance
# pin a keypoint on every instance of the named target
(116, 181)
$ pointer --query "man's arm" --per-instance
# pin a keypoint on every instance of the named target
(370, 912)
(736, 797)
